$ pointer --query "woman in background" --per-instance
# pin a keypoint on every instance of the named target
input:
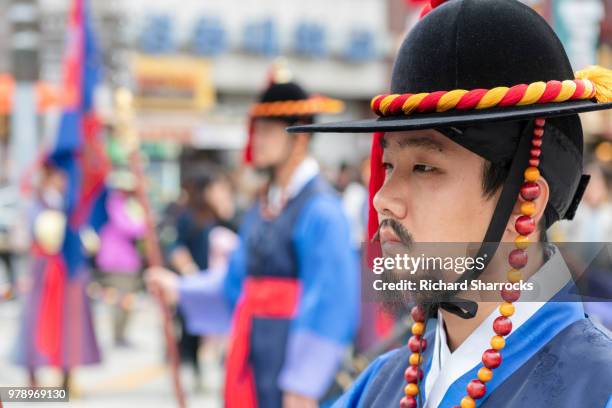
(203, 239)
(118, 258)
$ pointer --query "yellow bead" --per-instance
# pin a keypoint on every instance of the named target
(418, 328)
(532, 174)
(485, 374)
(506, 309)
(514, 276)
(468, 402)
(521, 242)
(415, 359)
(497, 342)
(528, 208)
(411, 390)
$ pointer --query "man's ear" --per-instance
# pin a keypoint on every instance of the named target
(535, 208)
(302, 140)
(541, 202)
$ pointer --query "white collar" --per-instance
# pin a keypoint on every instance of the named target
(447, 367)
(304, 172)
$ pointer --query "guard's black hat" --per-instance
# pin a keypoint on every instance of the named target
(286, 101)
(476, 45)
(480, 71)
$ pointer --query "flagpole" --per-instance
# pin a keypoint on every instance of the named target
(130, 139)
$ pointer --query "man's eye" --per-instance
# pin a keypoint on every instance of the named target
(423, 168)
(388, 167)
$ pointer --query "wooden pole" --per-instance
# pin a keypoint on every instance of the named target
(125, 119)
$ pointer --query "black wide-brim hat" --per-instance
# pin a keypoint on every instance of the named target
(475, 45)
(492, 76)
(454, 118)
(481, 67)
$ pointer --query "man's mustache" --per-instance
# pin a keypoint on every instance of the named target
(399, 230)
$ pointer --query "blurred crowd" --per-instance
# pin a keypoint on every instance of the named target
(196, 231)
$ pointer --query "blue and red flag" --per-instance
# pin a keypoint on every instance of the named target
(78, 149)
(79, 152)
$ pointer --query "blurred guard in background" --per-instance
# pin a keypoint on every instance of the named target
(292, 284)
(57, 328)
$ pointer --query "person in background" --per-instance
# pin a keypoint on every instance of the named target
(57, 328)
(291, 287)
(592, 227)
(209, 204)
(345, 177)
(374, 324)
(6, 256)
(593, 220)
(13, 237)
(118, 257)
(355, 202)
(200, 227)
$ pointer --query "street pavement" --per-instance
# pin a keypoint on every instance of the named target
(130, 377)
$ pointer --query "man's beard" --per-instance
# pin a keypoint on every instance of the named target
(266, 171)
(395, 301)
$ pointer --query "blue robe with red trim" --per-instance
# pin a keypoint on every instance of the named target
(558, 358)
(308, 241)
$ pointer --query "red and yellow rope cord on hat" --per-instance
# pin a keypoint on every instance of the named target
(311, 106)
(594, 82)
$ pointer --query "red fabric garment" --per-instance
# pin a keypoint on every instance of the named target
(95, 166)
(377, 178)
(261, 297)
(384, 321)
(247, 154)
(50, 315)
(430, 6)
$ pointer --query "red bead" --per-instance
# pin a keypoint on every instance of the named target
(518, 258)
(418, 313)
(502, 326)
(534, 162)
(538, 132)
(408, 402)
(530, 190)
(524, 225)
(539, 122)
(535, 152)
(411, 374)
(510, 295)
(491, 358)
(413, 344)
(476, 389)
(536, 142)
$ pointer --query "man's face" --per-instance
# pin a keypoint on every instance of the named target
(271, 143)
(433, 189)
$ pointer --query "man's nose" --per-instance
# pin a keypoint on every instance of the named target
(391, 200)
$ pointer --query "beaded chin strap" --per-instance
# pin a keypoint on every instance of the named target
(502, 325)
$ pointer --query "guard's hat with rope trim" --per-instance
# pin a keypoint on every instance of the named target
(286, 101)
(481, 71)
(471, 61)
(492, 76)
